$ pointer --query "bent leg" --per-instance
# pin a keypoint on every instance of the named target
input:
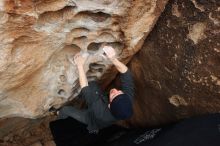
(70, 111)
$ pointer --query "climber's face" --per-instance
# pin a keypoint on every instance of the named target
(113, 93)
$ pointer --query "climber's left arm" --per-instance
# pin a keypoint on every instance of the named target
(80, 61)
(127, 83)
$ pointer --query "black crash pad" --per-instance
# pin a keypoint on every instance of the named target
(197, 131)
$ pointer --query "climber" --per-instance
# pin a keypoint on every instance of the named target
(102, 110)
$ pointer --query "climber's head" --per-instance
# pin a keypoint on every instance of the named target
(113, 93)
(120, 104)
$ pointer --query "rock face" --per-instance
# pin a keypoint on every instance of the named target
(177, 71)
(39, 38)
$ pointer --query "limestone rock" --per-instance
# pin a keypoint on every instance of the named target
(39, 38)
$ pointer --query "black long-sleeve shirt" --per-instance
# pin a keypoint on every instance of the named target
(98, 113)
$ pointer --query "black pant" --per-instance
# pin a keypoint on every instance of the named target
(70, 111)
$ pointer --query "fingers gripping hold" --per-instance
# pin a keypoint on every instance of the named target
(109, 52)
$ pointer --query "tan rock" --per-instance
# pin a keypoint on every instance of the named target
(50, 143)
(39, 38)
(37, 144)
(196, 32)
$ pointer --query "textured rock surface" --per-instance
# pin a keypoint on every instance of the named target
(39, 38)
(177, 71)
(26, 132)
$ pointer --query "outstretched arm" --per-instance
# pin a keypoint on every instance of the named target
(126, 76)
(87, 92)
(80, 61)
(110, 53)
(119, 65)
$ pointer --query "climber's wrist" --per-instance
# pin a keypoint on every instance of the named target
(113, 60)
(80, 65)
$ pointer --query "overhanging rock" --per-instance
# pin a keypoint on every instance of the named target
(39, 38)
